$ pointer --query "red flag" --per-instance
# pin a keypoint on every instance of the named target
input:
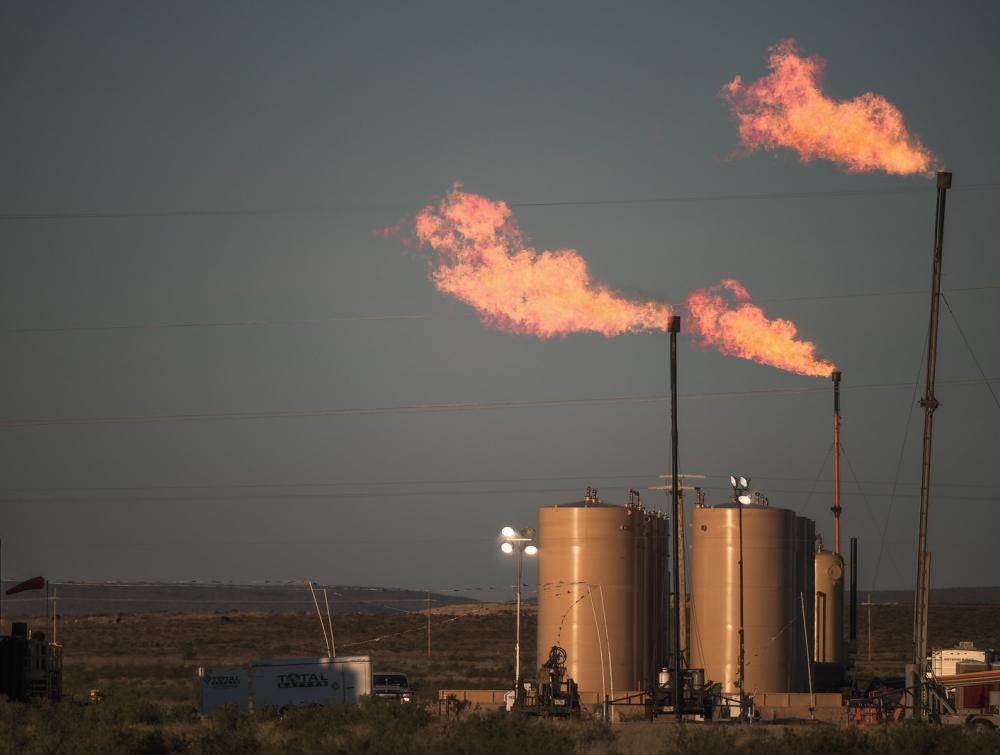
(35, 583)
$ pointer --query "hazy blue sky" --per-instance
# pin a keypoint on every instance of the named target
(340, 118)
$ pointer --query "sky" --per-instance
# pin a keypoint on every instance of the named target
(217, 369)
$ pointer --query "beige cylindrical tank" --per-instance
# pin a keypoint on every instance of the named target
(769, 580)
(587, 595)
(829, 624)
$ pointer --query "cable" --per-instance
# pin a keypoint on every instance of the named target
(899, 464)
(256, 323)
(46, 215)
(10, 423)
(567, 491)
(231, 323)
(969, 347)
(819, 474)
(868, 506)
(413, 483)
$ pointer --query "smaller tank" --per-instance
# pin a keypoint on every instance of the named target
(829, 608)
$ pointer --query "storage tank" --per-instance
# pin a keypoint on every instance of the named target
(770, 577)
(595, 591)
(829, 609)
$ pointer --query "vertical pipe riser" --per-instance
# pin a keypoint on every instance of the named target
(854, 589)
(675, 327)
(835, 376)
(929, 404)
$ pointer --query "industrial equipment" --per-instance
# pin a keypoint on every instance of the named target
(695, 699)
(30, 667)
(556, 694)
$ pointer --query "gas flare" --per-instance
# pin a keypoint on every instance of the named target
(483, 261)
(788, 108)
(740, 328)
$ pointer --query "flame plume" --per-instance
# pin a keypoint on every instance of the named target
(482, 260)
(741, 329)
(788, 108)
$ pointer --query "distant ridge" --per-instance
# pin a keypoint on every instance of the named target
(81, 598)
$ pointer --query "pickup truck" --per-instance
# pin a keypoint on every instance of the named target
(391, 685)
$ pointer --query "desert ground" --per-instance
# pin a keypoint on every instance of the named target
(145, 664)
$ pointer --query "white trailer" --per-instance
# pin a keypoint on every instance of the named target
(944, 662)
(222, 685)
(282, 682)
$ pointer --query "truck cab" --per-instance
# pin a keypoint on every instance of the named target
(391, 685)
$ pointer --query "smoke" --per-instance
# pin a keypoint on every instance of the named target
(739, 328)
(481, 260)
(788, 108)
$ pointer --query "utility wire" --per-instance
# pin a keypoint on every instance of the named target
(822, 468)
(899, 464)
(377, 317)
(868, 507)
(379, 495)
(969, 347)
(55, 215)
(415, 483)
(24, 422)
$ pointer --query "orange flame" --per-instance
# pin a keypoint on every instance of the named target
(787, 108)
(742, 330)
(483, 261)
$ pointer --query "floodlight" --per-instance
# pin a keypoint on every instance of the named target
(744, 498)
(508, 531)
(744, 483)
(732, 481)
(531, 550)
(506, 547)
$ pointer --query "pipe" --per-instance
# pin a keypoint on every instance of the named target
(835, 376)
(329, 620)
(607, 638)
(600, 645)
(809, 669)
(682, 646)
(326, 640)
(742, 656)
(929, 404)
(675, 328)
(854, 589)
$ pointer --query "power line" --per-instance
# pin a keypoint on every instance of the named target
(590, 477)
(819, 474)
(25, 422)
(868, 507)
(253, 323)
(972, 353)
(121, 214)
(899, 464)
(378, 317)
(437, 494)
